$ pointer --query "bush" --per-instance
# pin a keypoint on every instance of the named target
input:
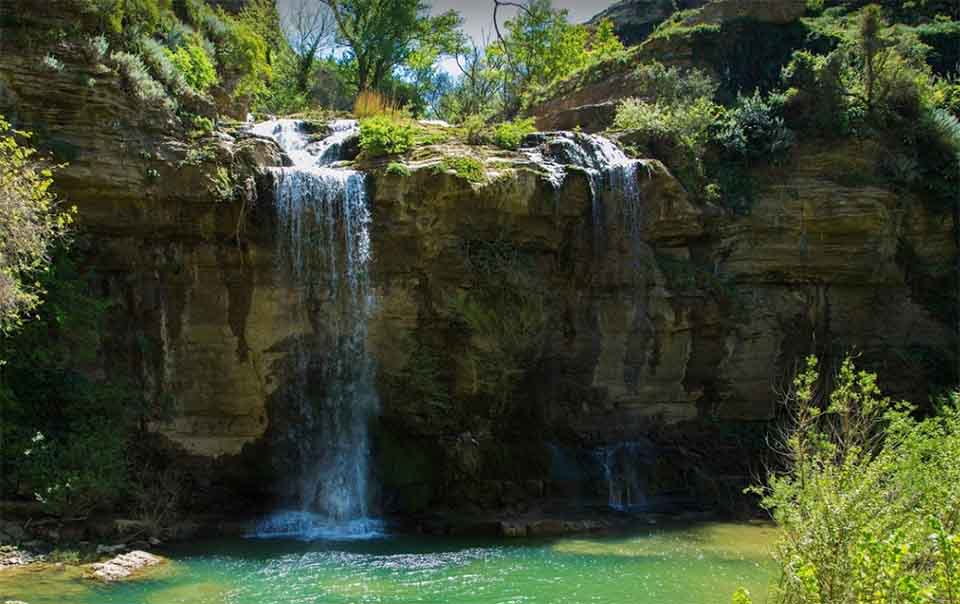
(396, 168)
(139, 82)
(192, 61)
(384, 135)
(867, 504)
(475, 130)
(30, 224)
(509, 135)
(817, 98)
(673, 84)
(467, 168)
(65, 432)
(157, 58)
(689, 124)
(754, 130)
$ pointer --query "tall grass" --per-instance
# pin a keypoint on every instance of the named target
(371, 103)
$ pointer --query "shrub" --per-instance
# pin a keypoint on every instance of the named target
(65, 431)
(689, 124)
(30, 224)
(509, 135)
(157, 58)
(817, 98)
(475, 130)
(139, 82)
(753, 130)
(96, 48)
(673, 84)
(192, 61)
(467, 168)
(867, 502)
(396, 168)
(383, 135)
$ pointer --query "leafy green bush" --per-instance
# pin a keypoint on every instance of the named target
(192, 61)
(509, 135)
(139, 82)
(396, 168)
(30, 224)
(467, 168)
(673, 84)
(689, 124)
(475, 130)
(157, 58)
(65, 431)
(384, 135)
(754, 130)
(867, 505)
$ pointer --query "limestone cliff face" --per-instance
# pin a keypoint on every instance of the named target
(511, 314)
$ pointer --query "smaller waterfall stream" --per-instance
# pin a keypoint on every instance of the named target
(610, 172)
(324, 249)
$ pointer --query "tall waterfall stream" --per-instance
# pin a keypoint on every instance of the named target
(324, 248)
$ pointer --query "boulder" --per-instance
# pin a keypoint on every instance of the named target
(124, 566)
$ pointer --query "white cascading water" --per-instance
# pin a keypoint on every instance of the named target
(609, 169)
(324, 247)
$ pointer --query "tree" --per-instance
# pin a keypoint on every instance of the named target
(309, 27)
(541, 46)
(382, 34)
(31, 223)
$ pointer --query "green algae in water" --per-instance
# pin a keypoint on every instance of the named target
(693, 565)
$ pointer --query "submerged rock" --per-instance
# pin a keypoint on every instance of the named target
(124, 566)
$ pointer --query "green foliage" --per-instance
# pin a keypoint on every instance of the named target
(742, 596)
(467, 168)
(241, 53)
(140, 83)
(192, 61)
(396, 168)
(673, 84)
(385, 135)
(754, 130)
(943, 37)
(817, 100)
(65, 432)
(868, 502)
(130, 18)
(541, 46)
(381, 35)
(509, 135)
(157, 58)
(31, 222)
(690, 124)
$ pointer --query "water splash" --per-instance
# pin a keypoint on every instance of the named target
(323, 246)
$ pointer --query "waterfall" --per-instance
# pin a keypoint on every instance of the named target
(624, 466)
(323, 247)
(609, 170)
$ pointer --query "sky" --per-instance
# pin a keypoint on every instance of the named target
(478, 16)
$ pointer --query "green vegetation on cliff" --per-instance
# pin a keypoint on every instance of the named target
(31, 223)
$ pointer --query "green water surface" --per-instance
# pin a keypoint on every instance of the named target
(701, 564)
